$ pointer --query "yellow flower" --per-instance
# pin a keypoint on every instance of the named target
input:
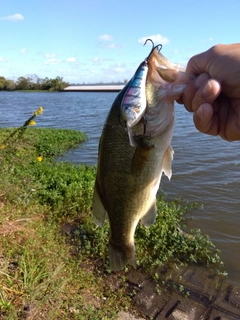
(32, 123)
(39, 111)
(39, 158)
(2, 147)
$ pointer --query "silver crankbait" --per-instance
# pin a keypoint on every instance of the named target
(134, 102)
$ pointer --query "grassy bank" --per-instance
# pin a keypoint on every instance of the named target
(53, 259)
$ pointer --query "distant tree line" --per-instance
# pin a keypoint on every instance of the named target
(33, 82)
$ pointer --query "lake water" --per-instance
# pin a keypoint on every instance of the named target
(205, 169)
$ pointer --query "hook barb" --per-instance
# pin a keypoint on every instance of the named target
(158, 47)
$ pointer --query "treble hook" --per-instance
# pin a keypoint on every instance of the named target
(153, 48)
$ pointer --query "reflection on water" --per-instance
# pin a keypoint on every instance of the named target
(205, 169)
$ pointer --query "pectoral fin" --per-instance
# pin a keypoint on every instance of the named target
(150, 216)
(98, 210)
(167, 162)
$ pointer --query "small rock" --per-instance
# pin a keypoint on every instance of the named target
(127, 316)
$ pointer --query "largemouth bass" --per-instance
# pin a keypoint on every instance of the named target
(128, 177)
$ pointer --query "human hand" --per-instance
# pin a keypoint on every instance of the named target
(214, 93)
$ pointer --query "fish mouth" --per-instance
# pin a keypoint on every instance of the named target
(161, 69)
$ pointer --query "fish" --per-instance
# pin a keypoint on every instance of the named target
(134, 102)
(128, 177)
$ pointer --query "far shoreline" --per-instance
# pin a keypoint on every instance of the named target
(94, 88)
(80, 88)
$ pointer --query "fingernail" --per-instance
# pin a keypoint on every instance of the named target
(207, 90)
(199, 112)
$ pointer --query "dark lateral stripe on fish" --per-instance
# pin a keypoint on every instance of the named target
(132, 94)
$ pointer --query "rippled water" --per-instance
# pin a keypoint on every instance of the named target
(205, 169)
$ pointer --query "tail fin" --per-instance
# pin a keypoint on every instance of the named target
(121, 256)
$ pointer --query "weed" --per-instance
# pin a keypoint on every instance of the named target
(166, 242)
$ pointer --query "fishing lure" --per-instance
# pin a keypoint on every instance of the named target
(134, 101)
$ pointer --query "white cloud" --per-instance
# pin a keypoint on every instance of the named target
(51, 58)
(115, 68)
(52, 61)
(206, 40)
(156, 38)
(96, 60)
(23, 51)
(119, 70)
(112, 46)
(1, 59)
(49, 55)
(105, 37)
(104, 40)
(14, 17)
(71, 59)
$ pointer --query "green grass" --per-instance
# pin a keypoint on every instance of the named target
(53, 259)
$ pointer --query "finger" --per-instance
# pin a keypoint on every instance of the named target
(224, 112)
(205, 120)
(191, 90)
(198, 63)
(207, 93)
(229, 120)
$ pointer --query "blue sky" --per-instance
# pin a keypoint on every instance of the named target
(88, 41)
